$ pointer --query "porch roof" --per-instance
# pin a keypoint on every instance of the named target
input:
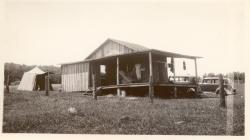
(153, 51)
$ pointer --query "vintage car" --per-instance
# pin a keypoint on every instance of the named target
(182, 79)
(211, 84)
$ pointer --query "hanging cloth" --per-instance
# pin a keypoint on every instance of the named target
(138, 71)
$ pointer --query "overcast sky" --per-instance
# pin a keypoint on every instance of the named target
(49, 32)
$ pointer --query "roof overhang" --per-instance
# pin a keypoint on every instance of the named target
(175, 55)
(154, 51)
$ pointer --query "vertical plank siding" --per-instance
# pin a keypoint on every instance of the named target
(110, 48)
(75, 77)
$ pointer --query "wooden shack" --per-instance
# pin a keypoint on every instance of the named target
(121, 65)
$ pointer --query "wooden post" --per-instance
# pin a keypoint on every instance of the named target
(151, 89)
(175, 92)
(94, 87)
(7, 84)
(196, 72)
(196, 76)
(97, 76)
(47, 85)
(222, 92)
(117, 76)
(173, 65)
(175, 88)
(93, 80)
(230, 115)
(91, 74)
(166, 65)
(151, 78)
(238, 78)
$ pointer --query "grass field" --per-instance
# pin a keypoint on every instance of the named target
(33, 112)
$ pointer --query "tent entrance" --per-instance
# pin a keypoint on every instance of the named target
(40, 82)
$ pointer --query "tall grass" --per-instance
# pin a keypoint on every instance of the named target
(33, 112)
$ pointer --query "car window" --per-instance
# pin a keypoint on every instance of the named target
(216, 81)
(207, 81)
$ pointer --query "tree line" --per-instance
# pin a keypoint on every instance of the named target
(16, 71)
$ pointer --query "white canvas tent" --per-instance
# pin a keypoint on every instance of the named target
(29, 79)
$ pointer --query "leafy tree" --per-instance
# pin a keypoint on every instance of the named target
(211, 75)
(16, 71)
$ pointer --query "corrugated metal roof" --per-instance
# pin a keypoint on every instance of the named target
(168, 54)
(135, 47)
(132, 46)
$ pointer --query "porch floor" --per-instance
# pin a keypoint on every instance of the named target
(147, 84)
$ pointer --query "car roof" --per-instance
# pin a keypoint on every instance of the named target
(214, 78)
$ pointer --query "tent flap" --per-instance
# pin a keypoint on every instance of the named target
(29, 79)
(27, 82)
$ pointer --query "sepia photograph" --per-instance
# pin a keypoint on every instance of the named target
(142, 67)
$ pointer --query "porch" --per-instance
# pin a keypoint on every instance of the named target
(147, 69)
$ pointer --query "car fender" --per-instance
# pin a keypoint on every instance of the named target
(226, 91)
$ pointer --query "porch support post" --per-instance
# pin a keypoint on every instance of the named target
(196, 72)
(175, 88)
(94, 87)
(173, 68)
(117, 76)
(93, 79)
(166, 66)
(196, 75)
(151, 80)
